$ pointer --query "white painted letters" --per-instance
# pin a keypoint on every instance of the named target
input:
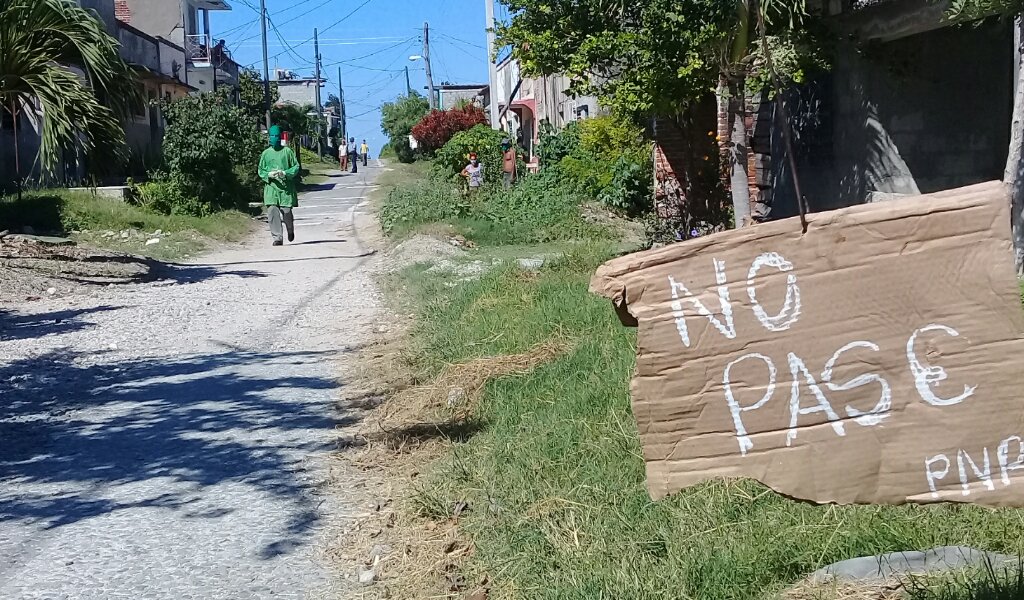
(798, 368)
(926, 376)
(1003, 456)
(881, 410)
(736, 409)
(728, 328)
(985, 475)
(934, 476)
(791, 308)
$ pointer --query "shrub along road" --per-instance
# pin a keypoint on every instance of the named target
(171, 440)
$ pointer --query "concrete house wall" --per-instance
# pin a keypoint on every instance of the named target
(918, 114)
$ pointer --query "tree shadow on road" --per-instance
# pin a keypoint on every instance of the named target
(83, 440)
(31, 326)
(185, 273)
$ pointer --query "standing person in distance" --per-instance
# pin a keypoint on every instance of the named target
(474, 173)
(343, 154)
(353, 154)
(509, 163)
(365, 151)
(278, 169)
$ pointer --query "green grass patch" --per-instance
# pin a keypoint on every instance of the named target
(991, 582)
(555, 479)
(537, 210)
(87, 218)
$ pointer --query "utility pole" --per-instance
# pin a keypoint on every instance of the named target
(426, 63)
(341, 107)
(319, 104)
(492, 69)
(408, 86)
(266, 63)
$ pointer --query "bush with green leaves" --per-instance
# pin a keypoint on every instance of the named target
(631, 190)
(454, 156)
(555, 145)
(604, 158)
(403, 150)
(211, 152)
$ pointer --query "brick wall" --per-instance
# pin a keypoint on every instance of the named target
(687, 170)
(122, 11)
(670, 152)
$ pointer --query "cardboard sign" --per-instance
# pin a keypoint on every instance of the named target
(878, 358)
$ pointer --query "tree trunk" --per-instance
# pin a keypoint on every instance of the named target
(731, 92)
(1013, 176)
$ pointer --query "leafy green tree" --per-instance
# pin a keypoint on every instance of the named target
(44, 44)
(211, 152)
(294, 119)
(659, 56)
(333, 102)
(250, 84)
(454, 156)
(399, 117)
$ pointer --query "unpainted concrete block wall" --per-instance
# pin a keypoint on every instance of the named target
(916, 115)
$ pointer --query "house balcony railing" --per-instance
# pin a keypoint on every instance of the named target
(203, 53)
(198, 49)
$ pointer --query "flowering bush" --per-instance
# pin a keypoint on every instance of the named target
(438, 127)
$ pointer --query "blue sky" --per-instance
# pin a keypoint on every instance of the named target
(371, 40)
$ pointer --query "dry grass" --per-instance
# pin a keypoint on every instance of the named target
(835, 589)
(408, 425)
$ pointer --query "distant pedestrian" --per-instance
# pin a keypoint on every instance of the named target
(353, 154)
(509, 163)
(343, 154)
(474, 173)
(278, 170)
(365, 151)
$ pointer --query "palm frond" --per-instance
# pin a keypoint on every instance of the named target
(61, 55)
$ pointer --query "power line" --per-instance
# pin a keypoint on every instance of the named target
(468, 53)
(405, 42)
(289, 48)
(461, 41)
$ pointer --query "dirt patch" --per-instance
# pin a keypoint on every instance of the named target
(410, 423)
(31, 269)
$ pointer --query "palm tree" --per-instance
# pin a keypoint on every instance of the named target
(58, 61)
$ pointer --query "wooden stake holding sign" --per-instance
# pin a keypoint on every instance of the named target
(874, 359)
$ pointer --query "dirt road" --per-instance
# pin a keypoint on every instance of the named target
(171, 440)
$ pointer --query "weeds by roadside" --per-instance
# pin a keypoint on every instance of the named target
(539, 487)
(101, 222)
(553, 477)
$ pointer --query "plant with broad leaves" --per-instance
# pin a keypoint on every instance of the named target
(45, 46)
(211, 150)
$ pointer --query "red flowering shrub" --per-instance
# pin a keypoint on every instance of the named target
(439, 126)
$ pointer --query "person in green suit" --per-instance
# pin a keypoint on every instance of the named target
(278, 170)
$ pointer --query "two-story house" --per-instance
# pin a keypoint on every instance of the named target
(528, 102)
(160, 66)
(186, 23)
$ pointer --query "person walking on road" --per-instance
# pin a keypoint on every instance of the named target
(353, 154)
(365, 151)
(343, 154)
(278, 170)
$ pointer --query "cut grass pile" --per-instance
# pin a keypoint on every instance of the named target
(554, 479)
(87, 218)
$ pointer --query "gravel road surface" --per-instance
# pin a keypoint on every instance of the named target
(172, 440)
